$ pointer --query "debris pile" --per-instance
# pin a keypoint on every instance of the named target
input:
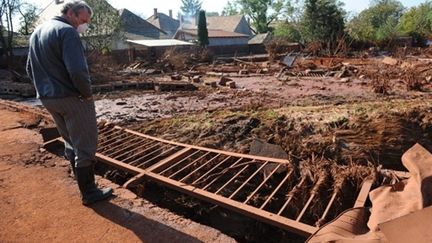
(13, 83)
(401, 204)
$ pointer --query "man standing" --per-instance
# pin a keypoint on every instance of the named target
(59, 70)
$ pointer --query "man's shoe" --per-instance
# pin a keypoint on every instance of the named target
(86, 184)
(96, 195)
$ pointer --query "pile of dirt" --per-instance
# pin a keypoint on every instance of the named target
(363, 139)
(383, 139)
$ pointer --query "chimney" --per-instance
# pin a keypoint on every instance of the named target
(170, 13)
(155, 14)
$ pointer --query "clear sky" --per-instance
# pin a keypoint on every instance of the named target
(145, 7)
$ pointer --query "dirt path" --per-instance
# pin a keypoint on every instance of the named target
(39, 203)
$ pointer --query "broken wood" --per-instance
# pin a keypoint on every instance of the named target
(247, 63)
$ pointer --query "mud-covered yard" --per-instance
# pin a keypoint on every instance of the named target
(369, 114)
(328, 125)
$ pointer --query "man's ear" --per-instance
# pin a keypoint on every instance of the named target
(70, 13)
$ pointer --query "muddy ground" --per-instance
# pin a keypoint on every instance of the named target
(368, 132)
(342, 119)
(367, 119)
(40, 202)
(345, 122)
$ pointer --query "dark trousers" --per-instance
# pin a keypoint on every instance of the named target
(76, 122)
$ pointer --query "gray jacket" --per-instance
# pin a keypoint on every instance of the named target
(56, 61)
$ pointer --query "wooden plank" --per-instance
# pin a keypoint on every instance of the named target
(267, 217)
(118, 164)
(363, 194)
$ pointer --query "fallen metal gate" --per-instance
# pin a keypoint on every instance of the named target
(267, 189)
(263, 188)
(314, 74)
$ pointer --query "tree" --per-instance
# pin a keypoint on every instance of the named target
(378, 23)
(230, 9)
(190, 8)
(323, 22)
(263, 12)
(288, 31)
(8, 8)
(289, 25)
(417, 21)
(105, 26)
(202, 29)
(292, 11)
(28, 18)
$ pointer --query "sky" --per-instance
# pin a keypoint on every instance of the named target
(144, 8)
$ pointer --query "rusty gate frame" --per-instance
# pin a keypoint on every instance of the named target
(151, 173)
(292, 225)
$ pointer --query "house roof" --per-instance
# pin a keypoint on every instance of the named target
(227, 23)
(213, 33)
(260, 38)
(134, 26)
(160, 43)
(235, 23)
(50, 11)
(164, 22)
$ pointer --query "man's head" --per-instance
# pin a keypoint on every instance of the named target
(77, 13)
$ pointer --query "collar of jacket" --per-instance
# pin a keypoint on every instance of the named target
(61, 19)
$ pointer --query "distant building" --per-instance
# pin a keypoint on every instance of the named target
(235, 23)
(260, 39)
(257, 43)
(136, 28)
(222, 31)
(53, 9)
(164, 22)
